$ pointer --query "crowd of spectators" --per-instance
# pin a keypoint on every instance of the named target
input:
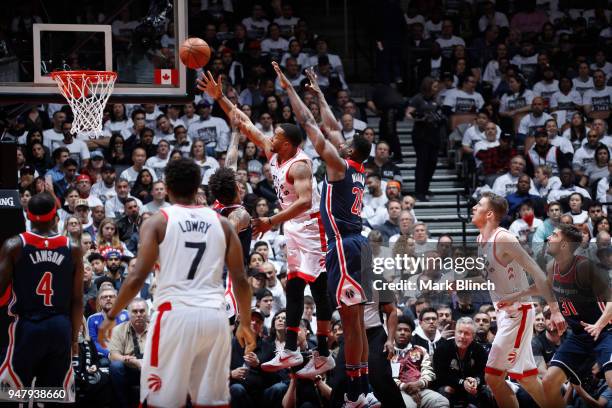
(528, 101)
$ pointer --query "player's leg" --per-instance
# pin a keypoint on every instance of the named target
(209, 374)
(552, 383)
(363, 364)
(23, 352)
(533, 386)
(353, 348)
(503, 394)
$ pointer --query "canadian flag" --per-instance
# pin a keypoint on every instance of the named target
(166, 77)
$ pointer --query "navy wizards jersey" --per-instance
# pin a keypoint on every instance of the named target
(244, 235)
(341, 202)
(43, 277)
(576, 303)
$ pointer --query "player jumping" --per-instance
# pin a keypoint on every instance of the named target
(46, 274)
(189, 342)
(505, 265)
(348, 251)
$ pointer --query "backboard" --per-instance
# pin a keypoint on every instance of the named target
(138, 39)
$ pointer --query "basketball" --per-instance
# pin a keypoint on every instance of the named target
(194, 53)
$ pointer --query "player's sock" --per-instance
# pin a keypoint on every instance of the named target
(291, 338)
(353, 388)
(322, 344)
(365, 382)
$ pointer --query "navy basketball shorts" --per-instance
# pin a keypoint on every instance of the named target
(349, 269)
(578, 352)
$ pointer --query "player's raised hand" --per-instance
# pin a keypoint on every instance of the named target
(261, 225)
(105, 330)
(206, 83)
(284, 82)
(246, 337)
(593, 329)
(313, 86)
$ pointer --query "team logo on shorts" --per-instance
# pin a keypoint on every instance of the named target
(512, 357)
(155, 383)
(349, 293)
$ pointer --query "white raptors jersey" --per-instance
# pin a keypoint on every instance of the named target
(507, 279)
(191, 258)
(284, 190)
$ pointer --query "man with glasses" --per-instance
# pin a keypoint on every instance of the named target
(125, 351)
(106, 300)
(427, 334)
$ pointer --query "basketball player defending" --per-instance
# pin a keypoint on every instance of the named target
(296, 190)
(505, 266)
(341, 203)
(46, 274)
(583, 291)
(189, 342)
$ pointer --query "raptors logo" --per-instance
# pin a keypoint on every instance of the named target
(349, 293)
(512, 357)
(155, 383)
(510, 273)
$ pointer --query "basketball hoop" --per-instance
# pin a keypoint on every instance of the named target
(87, 93)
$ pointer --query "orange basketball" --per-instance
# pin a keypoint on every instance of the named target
(194, 53)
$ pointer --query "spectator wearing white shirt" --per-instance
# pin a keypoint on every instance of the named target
(604, 194)
(139, 157)
(598, 169)
(173, 112)
(598, 101)
(114, 207)
(544, 181)
(465, 99)
(506, 183)
(525, 226)
(328, 77)
(583, 82)
(54, 134)
(119, 120)
(476, 133)
(555, 139)
(526, 59)
(547, 86)
(274, 45)
(348, 126)
(256, 25)
(105, 188)
(447, 40)
(159, 162)
(213, 131)
(565, 102)
(190, 115)
(494, 68)
(567, 187)
(530, 123)
(207, 164)
(287, 21)
(405, 226)
(601, 63)
(492, 133)
(374, 201)
(334, 60)
(518, 100)
(579, 215)
(164, 130)
(601, 127)
(491, 17)
(181, 141)
(152, 112)
(265, 124)
(585, 155)
(159, 198)
(77, 149)
(295, 51)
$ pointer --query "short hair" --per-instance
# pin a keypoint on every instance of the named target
(129, 200)
(547, 170)
(183, 177)
(362, 147)
(403, 319)
(497, 204)
(222, 185)
(41, 203)
(70, 162)
(163, 115)
(427, 310)
(260, 244)
(443, 306)
(554, 203)
(309, 300)
(393, 200)
(594, 204)
(138, 300)
(262, 293)
(93, 256)
(57, 153)
(292, 133)
(466, 321)
(571, 233)
(138, 112)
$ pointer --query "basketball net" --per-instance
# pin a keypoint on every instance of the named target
(87, 93)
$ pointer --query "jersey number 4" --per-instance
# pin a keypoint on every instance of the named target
(356, 208)
(201, 247)
(45, 288)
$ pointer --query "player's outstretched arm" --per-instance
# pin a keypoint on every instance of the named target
(238, 118)
(513, 249)
(240, 285)
(231, 158)
(76, 306)
(326, 150)
(151, 235)
(329, 120)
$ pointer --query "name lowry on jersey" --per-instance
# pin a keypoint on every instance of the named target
(194, 226)
(47, 256)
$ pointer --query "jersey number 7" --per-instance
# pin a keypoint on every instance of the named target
(201, 247)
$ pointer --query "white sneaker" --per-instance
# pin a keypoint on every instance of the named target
(284, 359)
(360, 403)
(316, 365)
(372, 401)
